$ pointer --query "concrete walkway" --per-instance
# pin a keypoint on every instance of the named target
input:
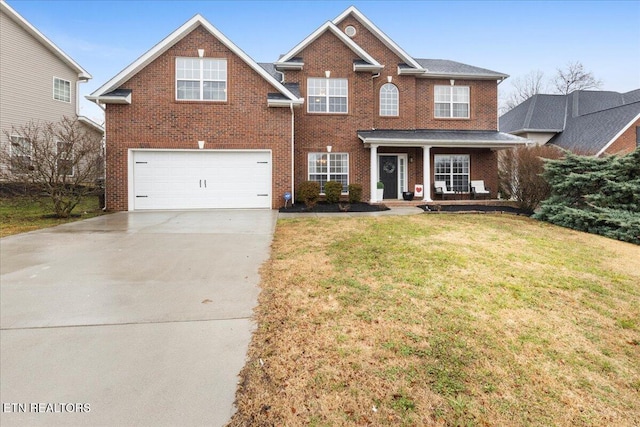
(129, 319)
(409, 210)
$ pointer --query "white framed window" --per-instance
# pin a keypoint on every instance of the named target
(327, 95)
(453, 169)
(64, 159)
(201, 79)
(389, 100)
(61, 90)
(451, 102)
(20, 153)
(325, 167)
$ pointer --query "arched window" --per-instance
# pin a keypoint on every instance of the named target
(388, 100)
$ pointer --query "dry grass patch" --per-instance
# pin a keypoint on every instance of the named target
(20, 214)
(444, 320)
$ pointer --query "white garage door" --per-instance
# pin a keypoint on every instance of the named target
(201, 179)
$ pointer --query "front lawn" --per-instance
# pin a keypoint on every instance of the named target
(19, 214)
(444, 320)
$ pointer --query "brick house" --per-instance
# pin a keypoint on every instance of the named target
(196, 123)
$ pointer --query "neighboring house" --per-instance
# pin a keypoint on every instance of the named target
(196, 123)
(38, 81)
(592, 123)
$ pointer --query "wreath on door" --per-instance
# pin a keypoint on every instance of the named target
(389, 167)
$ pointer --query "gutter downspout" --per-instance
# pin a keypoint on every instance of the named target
(293, 194)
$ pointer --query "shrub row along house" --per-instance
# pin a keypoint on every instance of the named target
(38, 83)
(196, 123)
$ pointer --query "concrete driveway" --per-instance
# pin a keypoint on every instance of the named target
(130, 318)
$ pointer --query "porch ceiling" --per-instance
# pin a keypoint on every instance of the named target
(441, 138)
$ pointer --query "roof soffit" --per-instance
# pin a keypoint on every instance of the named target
(173, 38)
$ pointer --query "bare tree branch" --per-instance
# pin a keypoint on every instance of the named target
(63, 160)
(574, 77)
(523, 88)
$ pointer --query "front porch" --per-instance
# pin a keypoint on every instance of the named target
(408, 159)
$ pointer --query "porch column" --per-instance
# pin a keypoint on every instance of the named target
(426, 169)
(373, 184)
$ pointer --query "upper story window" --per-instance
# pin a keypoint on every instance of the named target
(327, 95)
(20, 153)
(452, 102)
(201, 79)
(389, 100)
(61, 90)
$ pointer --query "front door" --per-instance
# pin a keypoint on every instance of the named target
(388, 170)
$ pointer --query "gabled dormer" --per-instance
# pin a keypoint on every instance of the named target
(293, 61)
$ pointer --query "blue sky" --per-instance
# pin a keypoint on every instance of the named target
(513, 37)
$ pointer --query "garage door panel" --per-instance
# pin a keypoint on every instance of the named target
(202, 179)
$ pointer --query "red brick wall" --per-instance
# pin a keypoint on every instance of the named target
(626, 143)
(156, 120)
(314, 132)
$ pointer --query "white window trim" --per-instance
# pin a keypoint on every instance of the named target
(58, 158)
(397, 102)
(201, 80)
(11, 149)
(328, 173)
(327, 96)
(451, 173)
(451, 103)
(54, 89)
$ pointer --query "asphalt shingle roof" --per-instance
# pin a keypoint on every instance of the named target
(585, 121)
(440, 135)
(445, 66)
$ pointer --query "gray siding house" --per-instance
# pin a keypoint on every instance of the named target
(38, 81)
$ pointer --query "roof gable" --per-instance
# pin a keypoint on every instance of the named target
(379, 34)
(328, 26)
(173, 38)
(41, 38)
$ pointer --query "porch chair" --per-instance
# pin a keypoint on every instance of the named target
(442, 190)
(478, 189)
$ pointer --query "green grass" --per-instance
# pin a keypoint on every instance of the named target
(444, 319)
(20, 214)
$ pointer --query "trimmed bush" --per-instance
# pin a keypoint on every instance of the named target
(332, 191)
(308, 193)
(355, 193)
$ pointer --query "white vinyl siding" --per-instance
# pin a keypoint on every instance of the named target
(61, 90)
(389, 100)
(327, 95)
(452, 102)
(26, 82)
(325, 167)
(201, 79)
(453, 169)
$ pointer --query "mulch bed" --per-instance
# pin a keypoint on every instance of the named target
(473, 208)
(334, 207)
